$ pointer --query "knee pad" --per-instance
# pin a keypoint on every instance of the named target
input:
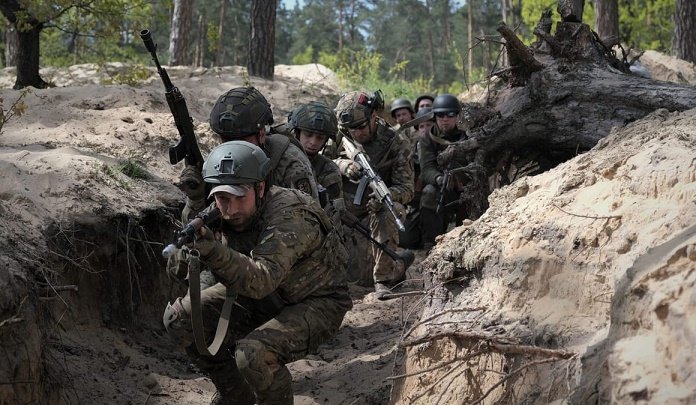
(256, 363)
(429, 197)
(177, 323)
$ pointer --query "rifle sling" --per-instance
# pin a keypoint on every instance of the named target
(194, 266)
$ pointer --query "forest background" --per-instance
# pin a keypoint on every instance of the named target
(404, 47)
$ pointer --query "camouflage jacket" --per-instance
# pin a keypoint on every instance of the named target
(291, 248)
(293, 169)
(428, 149)
(327, 176)
(390, 157)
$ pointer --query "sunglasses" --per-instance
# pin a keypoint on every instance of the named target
(450, 114)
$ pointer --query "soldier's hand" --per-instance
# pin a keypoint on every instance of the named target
(206, 242)
(177, 266)
(350, 169)
(192, 184)
(438, 180)
(374, 205)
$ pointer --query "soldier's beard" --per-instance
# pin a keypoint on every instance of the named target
(238, 222)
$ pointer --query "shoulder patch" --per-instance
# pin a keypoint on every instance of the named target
(304, 186)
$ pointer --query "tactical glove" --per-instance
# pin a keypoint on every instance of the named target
(192, 184)
(374, 205)
(349, 169)
(177, 265)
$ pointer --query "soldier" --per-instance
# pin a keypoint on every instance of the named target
(402, 112)
(412, 236)
(424, 101)
(313, 124)
(435, 163)
(389, 156)
(276, 249)
(243, 114)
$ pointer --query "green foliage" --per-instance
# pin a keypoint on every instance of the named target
(304, 57)
(102, 31)
(133, 169)
(121, 173)
(646, 24)
(130, 75)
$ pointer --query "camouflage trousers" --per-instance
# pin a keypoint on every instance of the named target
(363, 252)
(263, 336)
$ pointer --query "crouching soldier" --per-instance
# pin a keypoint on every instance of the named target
(278, 252)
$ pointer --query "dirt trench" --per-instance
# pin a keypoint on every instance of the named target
(91, 315)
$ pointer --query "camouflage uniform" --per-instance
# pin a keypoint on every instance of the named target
(389, 156)
(288, 270)
(327, 176)
(429, 149)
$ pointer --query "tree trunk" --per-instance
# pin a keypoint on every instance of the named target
(11, 45)
(199, 51)
(262, 38)
(607, 12)
(684, 40)
(27, 55)
(220, 51)
(179, 38)
(565, 105)
(470, 33)
(340, 26)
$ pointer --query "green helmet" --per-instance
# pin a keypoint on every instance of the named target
(400, 103)
(356, 107)
(314, 117)
(446, 103)
(240, 112)
(236, 162)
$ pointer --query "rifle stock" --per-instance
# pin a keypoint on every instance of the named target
(187, 146)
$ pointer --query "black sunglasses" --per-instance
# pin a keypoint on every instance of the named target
(450, 114)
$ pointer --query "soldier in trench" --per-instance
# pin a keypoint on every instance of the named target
(277, 249)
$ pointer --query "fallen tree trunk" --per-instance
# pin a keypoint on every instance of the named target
(561, 99)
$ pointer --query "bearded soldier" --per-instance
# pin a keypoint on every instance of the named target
(389, 156)
(278, 252)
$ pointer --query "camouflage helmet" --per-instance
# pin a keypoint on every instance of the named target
(235, 162)
(356, 107)
(314, 117)
(240, 112)
(400, 103)
(446, 103)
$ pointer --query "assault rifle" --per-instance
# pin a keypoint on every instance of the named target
(188, 234)
(187, 146)
(372, 178)
(443, 190)
(350, 220)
